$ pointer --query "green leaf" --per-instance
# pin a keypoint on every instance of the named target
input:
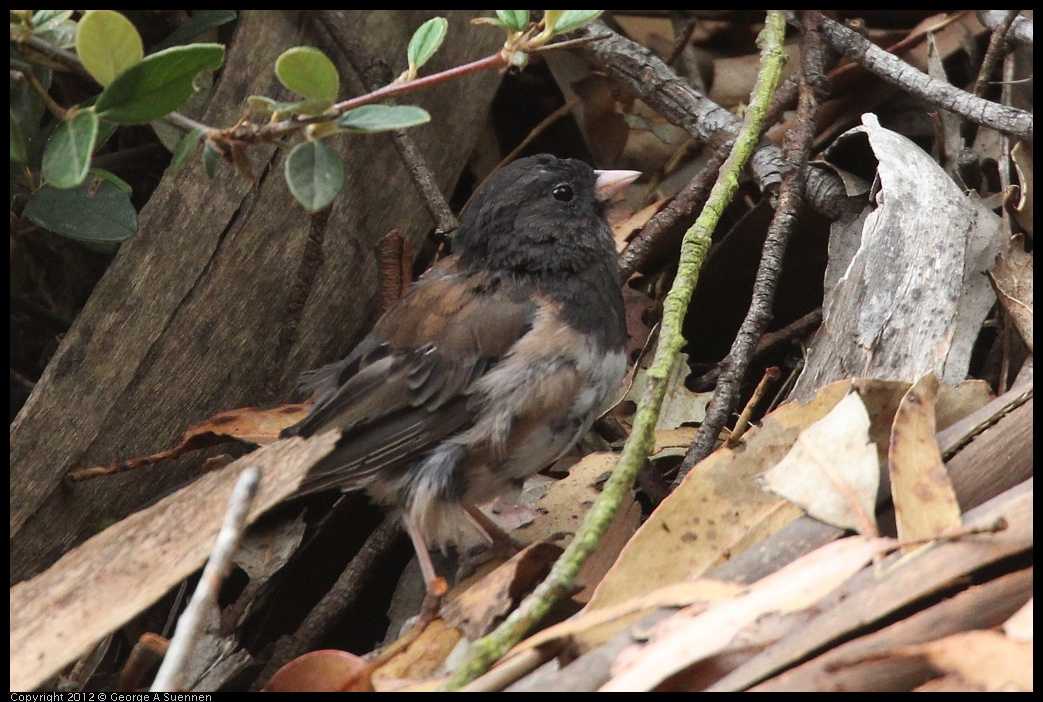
(309, 72)
(315, 174)
(28, 111)
(381, 118)
(107, 44)
(115, 179)
(96, 211)
(112, 178)
(574, 19)
(19, 153)
(44, 19)
(201, 21)
(158, 85)
(517, 20)
(184, 149)
(426, 40)
(68, 153)
(210, 158)
(55, 27)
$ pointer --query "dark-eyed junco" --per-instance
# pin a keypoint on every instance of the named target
(493, 365)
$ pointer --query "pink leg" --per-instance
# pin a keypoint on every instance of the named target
(436, 586)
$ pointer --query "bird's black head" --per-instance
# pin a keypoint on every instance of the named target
(538, 215)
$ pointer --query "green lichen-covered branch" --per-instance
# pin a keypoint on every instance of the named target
(561, 580)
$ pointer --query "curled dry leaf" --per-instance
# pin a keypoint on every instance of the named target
(247, 424)
(1012, 278)
(478, 609)
(318, 671)
(924, 499)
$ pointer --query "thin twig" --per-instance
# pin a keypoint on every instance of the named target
(893, 70)
(1020, 31)
(638, 254)
(743, 423)
(794, 330)
(791, 200)
(994, 53)
(170, 677)
(561, 581)
(373, 73)
(312, 259)
(647, 77)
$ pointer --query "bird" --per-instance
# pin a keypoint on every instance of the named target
(493, 364)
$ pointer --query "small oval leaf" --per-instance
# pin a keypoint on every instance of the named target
(574, 19)
(68, 153)
(426, 41)
(107, 44)
(184, 149)
(157, 85)
(96, 211)
(309, 72)
(381, 118)
(210, 158)
(517, 20)
(315, 174)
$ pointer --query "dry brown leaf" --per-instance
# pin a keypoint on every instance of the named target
(565, 505)
(1012, 278)
(253, 426)
(680, 405)
(625, 229)
(421, 660)
(955, 403)
(717, 511)
(924, 499)
(637, 305)
(476, 610)
(832, 470)
(689, 637)
(318, 671)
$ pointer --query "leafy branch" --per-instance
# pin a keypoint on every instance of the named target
(148, 89)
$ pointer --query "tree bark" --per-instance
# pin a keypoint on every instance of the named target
(185, 321)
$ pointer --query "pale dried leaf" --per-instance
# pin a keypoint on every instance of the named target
(832, 470)
(593, 627)
(689, 637)
(680, 405)
(717, 511)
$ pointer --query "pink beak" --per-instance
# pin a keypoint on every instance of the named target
(612, 183)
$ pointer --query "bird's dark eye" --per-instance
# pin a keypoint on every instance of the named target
(563, 193)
